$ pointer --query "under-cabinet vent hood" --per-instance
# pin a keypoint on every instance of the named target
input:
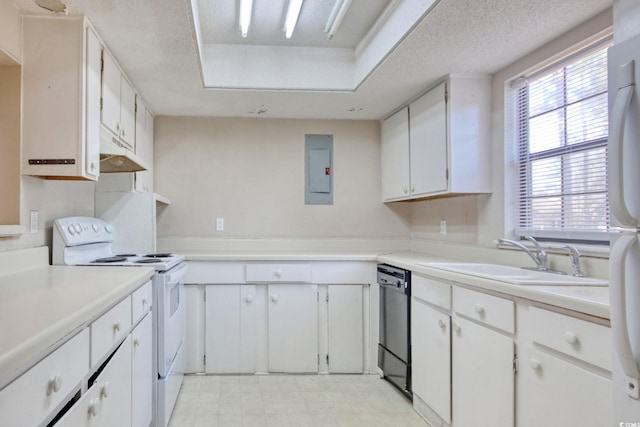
(116, 157)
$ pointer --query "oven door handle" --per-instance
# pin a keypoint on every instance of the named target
(175, 275)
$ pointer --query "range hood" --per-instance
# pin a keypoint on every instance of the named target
(115, 156)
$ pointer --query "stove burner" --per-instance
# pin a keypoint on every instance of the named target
(127, 255)
(118, 258)
(159, 255)
(148, 261)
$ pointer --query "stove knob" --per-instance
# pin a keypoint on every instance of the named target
(71, 229)
(95, 227)
(78, 227)
(108, 229)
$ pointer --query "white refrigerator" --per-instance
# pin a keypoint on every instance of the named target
(624, 199)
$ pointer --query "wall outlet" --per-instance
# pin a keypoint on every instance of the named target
(33, 222)
(219, 224)
(443, 226)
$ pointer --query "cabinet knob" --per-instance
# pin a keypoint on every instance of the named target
(456, 327)
(249, 299)
(136, 341)
(145, 300)
(441, 324)
(278, 273)
(116, 326)
(570, 337)
(104, 391)
(55, 384)
(274, 298)
(534, 364)
(479, 309)
(93, 166)
(94, 407)
(405, 190)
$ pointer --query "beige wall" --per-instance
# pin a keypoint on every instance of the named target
(251, 173)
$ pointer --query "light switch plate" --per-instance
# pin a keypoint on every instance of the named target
(33, 222)
(219, 224)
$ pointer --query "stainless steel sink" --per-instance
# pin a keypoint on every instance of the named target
(515, 275)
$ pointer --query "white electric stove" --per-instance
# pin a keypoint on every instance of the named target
(86, 241)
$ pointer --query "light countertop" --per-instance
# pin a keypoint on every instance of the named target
(41, 308)
(592, 300)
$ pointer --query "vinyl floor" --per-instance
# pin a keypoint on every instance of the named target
(292, 400)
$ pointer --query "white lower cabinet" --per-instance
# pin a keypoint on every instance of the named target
(142, 373)
(565, 371)
(293, 328)
(345, 314)
(431, 357)
(107, 403)
(482, 376)
(231, 323)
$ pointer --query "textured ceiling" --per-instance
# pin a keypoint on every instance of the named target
(154, 43)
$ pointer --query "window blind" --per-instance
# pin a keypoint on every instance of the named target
(562, 133)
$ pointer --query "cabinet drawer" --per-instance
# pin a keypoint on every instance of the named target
(274, 273)
(141, 302)
(494, 311)
(110, 329)
(30, 399)
(431, 291)
(583, 340)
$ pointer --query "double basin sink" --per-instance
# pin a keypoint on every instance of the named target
(515, 275)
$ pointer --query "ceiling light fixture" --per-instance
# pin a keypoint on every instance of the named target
(293, 11)
(245, 16)
(336, 17)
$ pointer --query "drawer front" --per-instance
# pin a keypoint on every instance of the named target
(276, 273)
(583, 340)
(110, 329)
(431, 291)
(493, 311)
(30, 399)
(141, 302)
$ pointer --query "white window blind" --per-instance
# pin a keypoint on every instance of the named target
(562, 134)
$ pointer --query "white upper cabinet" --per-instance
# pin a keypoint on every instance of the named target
(118, 102)
(439, 144)
(61, 98)
(395, 156)
(144, 146)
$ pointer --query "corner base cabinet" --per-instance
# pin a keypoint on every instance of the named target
(440, 143)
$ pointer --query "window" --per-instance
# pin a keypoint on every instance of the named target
(562, 131)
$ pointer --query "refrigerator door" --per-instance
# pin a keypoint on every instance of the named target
(624, 133)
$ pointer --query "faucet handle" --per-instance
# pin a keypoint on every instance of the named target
(574, 256)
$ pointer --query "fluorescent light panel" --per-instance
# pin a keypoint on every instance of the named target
(292, 17)
(245, 16)
(335, 18)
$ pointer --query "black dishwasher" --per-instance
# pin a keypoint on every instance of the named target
(394, 347)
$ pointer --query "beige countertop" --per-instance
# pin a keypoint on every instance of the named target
(280, 255)
(42, 307)
(592, 300)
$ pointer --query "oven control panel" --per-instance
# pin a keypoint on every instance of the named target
(81, 230)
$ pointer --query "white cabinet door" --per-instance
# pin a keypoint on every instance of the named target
(110, 114)
(142, 373)
(555, 392)
(482, 376)
(431, 357)
(293, 328)
(144, 146)
(108, 402)
(428, 142)
(395, 156)
(345, 329)
(230, 329)
(127, 112)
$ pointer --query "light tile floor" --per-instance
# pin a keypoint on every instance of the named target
(292, 400)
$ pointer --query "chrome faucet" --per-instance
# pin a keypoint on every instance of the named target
(540, 256)
(574, 256)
